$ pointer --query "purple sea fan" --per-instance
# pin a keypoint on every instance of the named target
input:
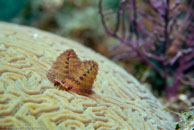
(161, 34)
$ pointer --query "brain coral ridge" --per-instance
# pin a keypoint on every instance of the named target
(28, 100)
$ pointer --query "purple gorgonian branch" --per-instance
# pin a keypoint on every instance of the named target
(159, 32)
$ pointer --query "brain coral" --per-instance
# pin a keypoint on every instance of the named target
(28, 100)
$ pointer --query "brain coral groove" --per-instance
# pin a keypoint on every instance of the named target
(29, 99)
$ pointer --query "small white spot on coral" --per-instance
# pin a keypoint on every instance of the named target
(35, 35)
(2, 47)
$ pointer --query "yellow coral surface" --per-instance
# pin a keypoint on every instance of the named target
(28, 100)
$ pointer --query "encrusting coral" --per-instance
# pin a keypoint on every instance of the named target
(29, 100)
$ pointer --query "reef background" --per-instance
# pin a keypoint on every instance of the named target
(81, 21)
